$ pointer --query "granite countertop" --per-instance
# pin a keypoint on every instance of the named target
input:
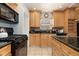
(2, 44)
(69, 41)
(40, 31)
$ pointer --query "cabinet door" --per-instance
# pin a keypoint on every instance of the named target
(38, 40)
(60, 49)
(50, 40)
(58, 18)
(37, 19)
(34, 19)
(56, 47)
(6, 50)
(72, 14)
(44, 40)
(67, 51)
(32, 40)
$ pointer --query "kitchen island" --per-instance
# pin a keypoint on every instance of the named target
(64, 46)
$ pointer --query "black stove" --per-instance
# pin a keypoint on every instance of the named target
(18, 42)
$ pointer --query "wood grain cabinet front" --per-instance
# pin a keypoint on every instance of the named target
(67, 51)
(6, 50)
(60, 49)
(44, 40)
(72, 14)
(34, 19)
(34, 40)
(58, 18)
(56, 48)
(40, 40)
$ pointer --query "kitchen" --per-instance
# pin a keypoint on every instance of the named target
(39, 29)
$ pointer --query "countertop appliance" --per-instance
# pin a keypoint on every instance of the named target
(54, 30)
(18, 42)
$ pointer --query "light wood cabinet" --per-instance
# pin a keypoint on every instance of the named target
(34, 19)
(60, 49)
(70, 24)
(41, 40)
(38, 39)
(58, 18)
(44, 40)
(67, 51)
(62, 18)
(34, 40)
(56, 48)
(6, 50)
(72, 14)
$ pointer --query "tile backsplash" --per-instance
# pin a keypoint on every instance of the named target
(45, 22)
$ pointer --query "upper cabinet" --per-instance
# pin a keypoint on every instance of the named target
(8, 14)
(66, 19)
(58, 18)
(72, 14)
(34, 19)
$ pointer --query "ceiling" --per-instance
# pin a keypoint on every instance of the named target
(49, 6)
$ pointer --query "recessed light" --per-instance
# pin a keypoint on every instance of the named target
(34, 8)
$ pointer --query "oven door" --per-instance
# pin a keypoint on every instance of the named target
(21, 49)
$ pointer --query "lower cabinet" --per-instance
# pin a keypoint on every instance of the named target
(67, 51)
(34, 40)
(41, 40)
(56, 48)
(60, 49)
(6, 50)
(44, 40)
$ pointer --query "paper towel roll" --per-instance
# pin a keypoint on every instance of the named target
(3, 34)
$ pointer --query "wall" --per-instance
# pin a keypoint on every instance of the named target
(46, 21)
(23, 26)
(2, 24)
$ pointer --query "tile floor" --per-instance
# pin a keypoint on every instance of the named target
(39, 51)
